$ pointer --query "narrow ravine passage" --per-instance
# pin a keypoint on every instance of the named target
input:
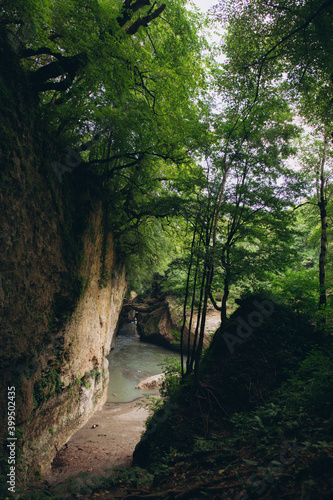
(109, 437)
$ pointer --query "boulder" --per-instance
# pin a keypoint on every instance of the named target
(153, 382)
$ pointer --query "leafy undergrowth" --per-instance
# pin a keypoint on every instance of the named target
(282, 449)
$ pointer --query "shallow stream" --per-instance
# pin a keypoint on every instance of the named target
(131, 361)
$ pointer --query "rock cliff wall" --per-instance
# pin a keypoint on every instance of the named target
(62, 377)
(82, 375)
(61, 286)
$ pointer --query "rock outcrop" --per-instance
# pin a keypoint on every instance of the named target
(64, 391)
(159, 321)
(153, 382)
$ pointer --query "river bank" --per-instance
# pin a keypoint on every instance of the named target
(107, 440)
(109, 437)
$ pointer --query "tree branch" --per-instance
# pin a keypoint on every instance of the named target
(37, 52)
(218, 308)
(69, 66)
(326, 4)
(305, 203)
(145, 20)
(128, 10)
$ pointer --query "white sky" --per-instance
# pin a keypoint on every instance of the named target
(204, 5)
(212, 34)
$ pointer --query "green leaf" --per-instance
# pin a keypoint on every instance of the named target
(250, 462)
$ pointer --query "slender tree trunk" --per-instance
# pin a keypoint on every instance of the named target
(225, 298)
(196, 334)
(202, 331)
(185, 301)
(219, 203)
(215, 224)
(322, 202)
(192, 314)
(322, 257)
(205, 292)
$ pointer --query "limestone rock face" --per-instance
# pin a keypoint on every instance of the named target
(156, 324)
(57, 322)
(83, 375)
(153, 382)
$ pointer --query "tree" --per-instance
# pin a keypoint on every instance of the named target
(55, 60)
(258, 190)
(249, 187)
(121, 86)
(316, 160)
(97, 76)
(288, 42)
(289, 38)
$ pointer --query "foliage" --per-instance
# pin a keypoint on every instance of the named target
(297, 287)
(125, 97)
(232, 382)
(175, 277)
(298, 411)
(171, 383)
(145, 250)
(293, 39)
(240, 224)
(243, 227)
(49, 384)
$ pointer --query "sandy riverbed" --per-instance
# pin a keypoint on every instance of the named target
(107, 440)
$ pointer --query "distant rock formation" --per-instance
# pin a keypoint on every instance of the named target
(159, 321)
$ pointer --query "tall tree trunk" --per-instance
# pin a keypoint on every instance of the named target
(197, 328)
(198, 351)
(185, 300)
(205, 287)
(214, 239)
(322, 257)
(322, 202)
(224, 299)
(191, 316)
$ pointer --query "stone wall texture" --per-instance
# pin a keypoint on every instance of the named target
(87, 340)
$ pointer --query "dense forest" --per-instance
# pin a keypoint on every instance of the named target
(213, 162)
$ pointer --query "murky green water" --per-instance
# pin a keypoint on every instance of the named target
(131, 361)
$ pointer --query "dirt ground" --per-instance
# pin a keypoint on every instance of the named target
(107, 440)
